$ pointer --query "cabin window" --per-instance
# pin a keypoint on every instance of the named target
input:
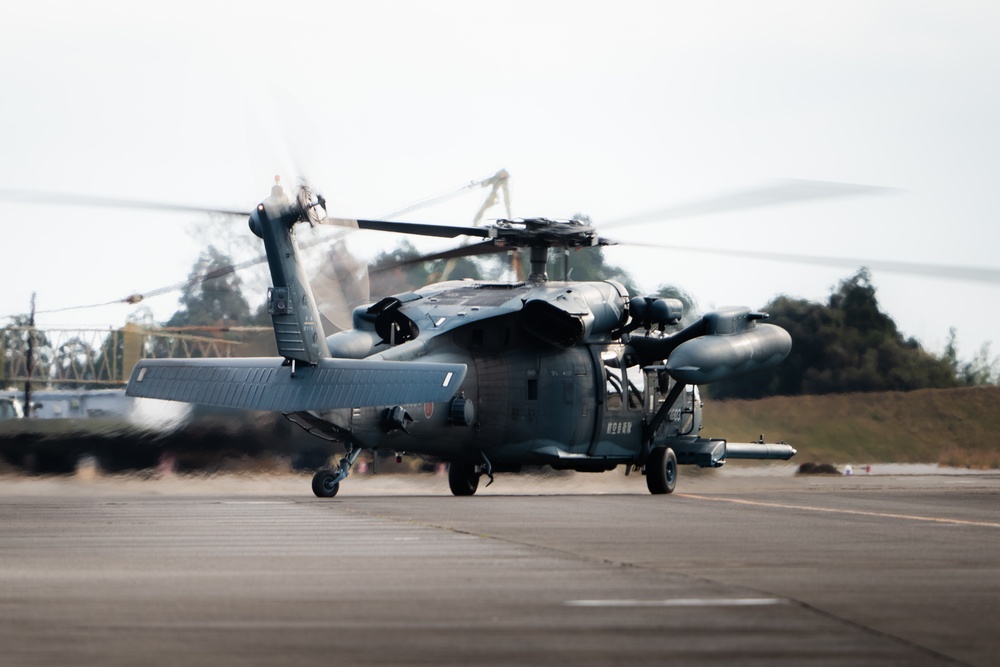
(613, 389)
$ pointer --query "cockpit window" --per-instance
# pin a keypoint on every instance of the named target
(621, 389)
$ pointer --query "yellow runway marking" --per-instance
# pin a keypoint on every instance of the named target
(831, 510)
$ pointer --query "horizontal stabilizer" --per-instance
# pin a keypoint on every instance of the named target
(266, 384)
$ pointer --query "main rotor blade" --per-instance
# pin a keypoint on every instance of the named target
(420, 229)
(970, 273)
(782, 192)
(476, 249)
(498, 179)
(137, 297)
(63, 199)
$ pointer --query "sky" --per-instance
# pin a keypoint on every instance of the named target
(594, 109)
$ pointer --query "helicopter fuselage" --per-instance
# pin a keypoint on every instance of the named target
(524, 401)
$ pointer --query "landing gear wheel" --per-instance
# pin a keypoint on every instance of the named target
(463, 478)
(325, 484)
(661, 470)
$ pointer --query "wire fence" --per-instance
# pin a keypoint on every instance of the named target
(105, 357)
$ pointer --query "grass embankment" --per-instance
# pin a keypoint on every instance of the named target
(953, 427)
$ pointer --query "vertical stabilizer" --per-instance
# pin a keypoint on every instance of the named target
(297, 328)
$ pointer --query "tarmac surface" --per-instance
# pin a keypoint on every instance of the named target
(749, 567)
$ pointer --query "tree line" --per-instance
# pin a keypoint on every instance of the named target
(848, 344)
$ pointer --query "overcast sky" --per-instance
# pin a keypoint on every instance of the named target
(607, 111)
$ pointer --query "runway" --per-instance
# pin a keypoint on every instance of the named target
(751, 568)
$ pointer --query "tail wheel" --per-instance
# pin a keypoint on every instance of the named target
(661, 470)
(325, 484)
(463, 478)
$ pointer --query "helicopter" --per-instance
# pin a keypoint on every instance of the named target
(488, 376)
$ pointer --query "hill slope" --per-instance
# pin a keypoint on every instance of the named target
(955, 427)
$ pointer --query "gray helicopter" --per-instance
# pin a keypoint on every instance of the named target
(487, 376)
